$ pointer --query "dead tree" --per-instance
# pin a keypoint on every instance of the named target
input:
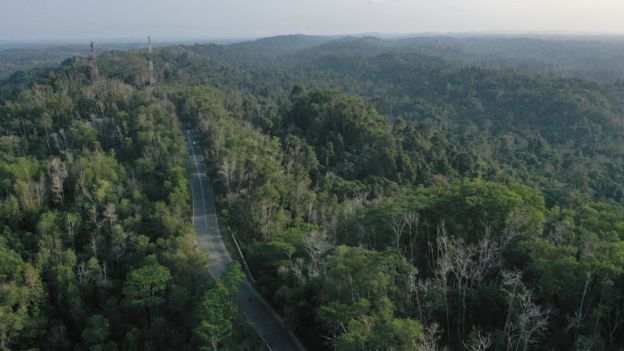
(316, 245)
(526, 321)
(58, 174)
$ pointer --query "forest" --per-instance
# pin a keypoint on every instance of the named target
(386, 195)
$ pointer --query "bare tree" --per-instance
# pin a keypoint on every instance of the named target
(111, 216)
(406, 223)
(430, 338)
(235, 176)
(479, 342)
(316, 245)
(72, 220)
(413, 221)
(443, 266)
(58, 174)
(398, 225)
(96, 232)
(298, 270)
(263, 213)
(562, 234)
(82, 188)
(38, 188)
(227, 170)
(526, 321)
(310, 210)
(460, 266)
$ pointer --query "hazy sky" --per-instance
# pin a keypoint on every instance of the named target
(79, 19)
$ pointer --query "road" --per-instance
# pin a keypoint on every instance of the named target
(257, 311)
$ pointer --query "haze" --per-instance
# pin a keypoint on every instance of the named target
(78, 19)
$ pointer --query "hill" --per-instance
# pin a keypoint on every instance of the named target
(412, 193)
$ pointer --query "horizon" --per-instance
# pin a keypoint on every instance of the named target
(224, 40)
(72, 20)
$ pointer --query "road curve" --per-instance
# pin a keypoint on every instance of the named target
(262, 317)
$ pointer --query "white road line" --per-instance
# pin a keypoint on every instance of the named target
(229, 259)
(200, 179)
(188, 140)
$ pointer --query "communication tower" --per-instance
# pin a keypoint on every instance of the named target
(93, 68)
(151, 78)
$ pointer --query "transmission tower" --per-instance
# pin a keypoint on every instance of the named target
(151, 78)
(93, 68)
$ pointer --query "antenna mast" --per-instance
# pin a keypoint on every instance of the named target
(150, 63)
(93, 68)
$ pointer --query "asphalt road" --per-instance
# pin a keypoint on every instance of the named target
(262, 317)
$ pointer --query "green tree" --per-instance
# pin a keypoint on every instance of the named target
(219, 310)
(21, 293)
(96, 331)
(146, 286)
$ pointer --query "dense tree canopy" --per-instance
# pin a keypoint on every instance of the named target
(97, 250)
(383, 198)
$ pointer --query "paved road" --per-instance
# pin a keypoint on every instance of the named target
(266, 322)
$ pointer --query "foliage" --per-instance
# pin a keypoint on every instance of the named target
(97, 249)
(384, 198)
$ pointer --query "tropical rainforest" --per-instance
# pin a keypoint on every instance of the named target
(413, 194)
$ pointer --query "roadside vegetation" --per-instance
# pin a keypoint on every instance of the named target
(384, 199)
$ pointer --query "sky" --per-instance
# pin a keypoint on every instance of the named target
(167, 19)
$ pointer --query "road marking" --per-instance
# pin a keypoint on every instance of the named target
(200, 178)
(254, 292)
(188, 140)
